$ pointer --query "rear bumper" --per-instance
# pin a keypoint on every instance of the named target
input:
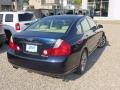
(53, 65)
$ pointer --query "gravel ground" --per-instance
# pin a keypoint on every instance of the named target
(103, 71)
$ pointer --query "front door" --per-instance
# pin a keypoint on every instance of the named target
(89, 34)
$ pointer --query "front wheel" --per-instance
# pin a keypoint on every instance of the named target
(83, 62)
(102, 42)
(15, 67)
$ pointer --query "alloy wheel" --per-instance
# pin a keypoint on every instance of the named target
(102, 42)
(83, 61)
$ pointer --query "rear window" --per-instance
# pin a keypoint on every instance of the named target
(9, 18)
(1, 17)
(69, 11)
(59, 25)
(25, 17)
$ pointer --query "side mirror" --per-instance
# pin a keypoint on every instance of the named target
(100, 26)
(94, 28)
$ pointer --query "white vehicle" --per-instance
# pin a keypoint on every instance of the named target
(16, 21)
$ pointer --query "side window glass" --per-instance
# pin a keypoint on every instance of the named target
(79, 29)
(85, 25)
(91, 22)
(9, 18)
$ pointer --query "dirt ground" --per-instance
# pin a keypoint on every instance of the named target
(103, 71)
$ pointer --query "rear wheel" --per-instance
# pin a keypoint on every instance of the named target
(102, 42)
(83, 62)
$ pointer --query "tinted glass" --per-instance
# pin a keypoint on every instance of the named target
(79, 29)
(1, 17)
(9, 18)
(59, 25)
(91, 22)
(25, 17)
(85, 25)
(69, 12)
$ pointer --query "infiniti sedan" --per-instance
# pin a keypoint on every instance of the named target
(57, 44)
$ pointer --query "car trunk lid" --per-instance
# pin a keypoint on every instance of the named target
(33, 43)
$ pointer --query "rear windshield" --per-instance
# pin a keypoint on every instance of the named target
(59, 25)
(1, 17)
(25, 17)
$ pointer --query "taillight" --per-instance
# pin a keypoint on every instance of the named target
(17, 26)
(13, 46)
(61, 48)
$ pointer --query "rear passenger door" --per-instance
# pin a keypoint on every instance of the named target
(9, 20)
(89, 35)
(9, 23)
(93, 27)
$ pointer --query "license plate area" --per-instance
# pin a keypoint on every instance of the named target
(35, 49)
(30, 48)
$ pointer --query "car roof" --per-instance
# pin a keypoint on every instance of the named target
(15, 12)
(67, 16)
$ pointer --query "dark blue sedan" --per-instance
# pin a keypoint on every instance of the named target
(56, 44)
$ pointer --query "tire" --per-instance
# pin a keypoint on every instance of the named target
(102, 42)
(83, 62)
(15, 67)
